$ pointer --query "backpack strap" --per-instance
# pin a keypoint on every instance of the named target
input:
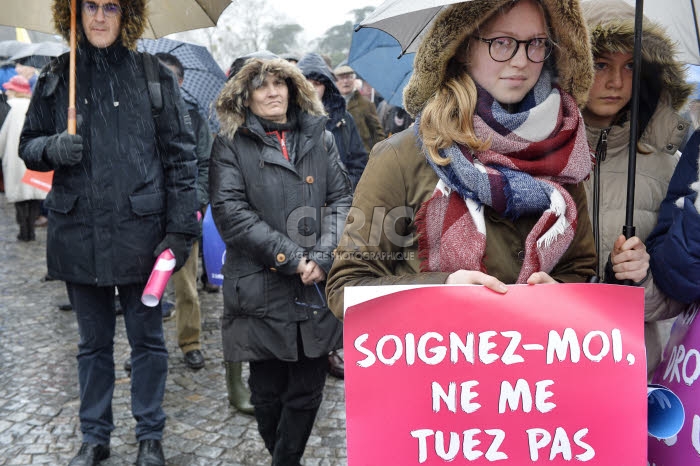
(151, 67)
(52, 72)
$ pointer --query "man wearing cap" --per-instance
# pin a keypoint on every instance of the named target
(362, 110)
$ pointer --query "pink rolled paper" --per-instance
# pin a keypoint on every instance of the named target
(162, 270)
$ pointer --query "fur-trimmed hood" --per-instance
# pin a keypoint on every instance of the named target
(231, 106)
(611, 26)
(133, 22)
(571, 55)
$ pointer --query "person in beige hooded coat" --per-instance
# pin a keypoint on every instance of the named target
(26, 198)
(661, 130)
(454, 60)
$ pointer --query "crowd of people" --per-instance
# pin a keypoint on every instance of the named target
(532, 95)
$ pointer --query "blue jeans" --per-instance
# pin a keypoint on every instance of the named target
(94, 309)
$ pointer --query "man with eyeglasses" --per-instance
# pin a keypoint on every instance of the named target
(362, 110)
(123, 191)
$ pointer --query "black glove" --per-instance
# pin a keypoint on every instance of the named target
(64, 149)
(179, 244)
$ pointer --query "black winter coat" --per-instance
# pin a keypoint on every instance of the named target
(340, 122)
(204, 140)
(271, 213)
(108, 213)
(350, 146)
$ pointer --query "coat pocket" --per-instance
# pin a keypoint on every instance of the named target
(244, 296)
(147, 204)
(61, 203)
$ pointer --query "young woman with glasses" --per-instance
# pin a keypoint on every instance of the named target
(486, 187)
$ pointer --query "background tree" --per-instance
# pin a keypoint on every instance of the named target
(336, 41)
(284, 38)
(239, 31)
(259, 26)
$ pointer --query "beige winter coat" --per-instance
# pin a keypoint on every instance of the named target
(611, 26)
(13, 167)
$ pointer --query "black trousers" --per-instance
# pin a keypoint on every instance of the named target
(286, 396)
(94, 311)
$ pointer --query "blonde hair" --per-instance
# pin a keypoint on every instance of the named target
(448, 117)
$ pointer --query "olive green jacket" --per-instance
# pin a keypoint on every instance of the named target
(379, 244)
(365, 115)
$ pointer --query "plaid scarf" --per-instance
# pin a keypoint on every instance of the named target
(533, 152)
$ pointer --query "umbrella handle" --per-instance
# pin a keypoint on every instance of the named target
(628, 229)
(72, 121)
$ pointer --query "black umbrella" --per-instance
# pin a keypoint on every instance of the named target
(204, 79)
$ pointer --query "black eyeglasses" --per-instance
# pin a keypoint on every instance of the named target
(313, 306)
(110, 10)
(504, 48)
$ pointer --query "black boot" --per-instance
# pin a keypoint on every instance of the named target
(150, 453)
(90, 454)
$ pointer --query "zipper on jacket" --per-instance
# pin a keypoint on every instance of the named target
(600, 154)
(282, 138)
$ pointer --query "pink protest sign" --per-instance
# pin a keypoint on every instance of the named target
(679, 373)
(546, 374)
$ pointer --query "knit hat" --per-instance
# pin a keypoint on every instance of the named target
(18, 84)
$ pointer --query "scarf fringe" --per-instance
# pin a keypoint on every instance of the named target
(558, 208)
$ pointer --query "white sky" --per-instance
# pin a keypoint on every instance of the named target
(317, 16)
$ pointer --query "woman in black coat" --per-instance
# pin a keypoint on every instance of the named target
(279, 198)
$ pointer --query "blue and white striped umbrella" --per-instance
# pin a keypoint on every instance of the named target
(204, 79)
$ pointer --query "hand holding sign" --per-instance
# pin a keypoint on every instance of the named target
(473, 277)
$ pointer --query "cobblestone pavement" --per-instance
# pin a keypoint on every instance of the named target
(39, 383)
